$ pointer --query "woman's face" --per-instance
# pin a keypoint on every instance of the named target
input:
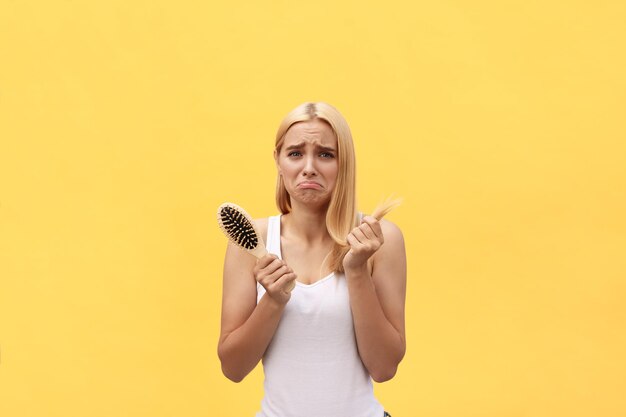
(308, 162)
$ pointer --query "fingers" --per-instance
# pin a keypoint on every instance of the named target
(267, 265)
(270, 271)
(278, 273)
(368, 233)
(287, 282)
(353, 241)
(266, 260)
(364, 233)
(374, 227)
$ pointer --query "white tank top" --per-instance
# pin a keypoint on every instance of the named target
(312, 366)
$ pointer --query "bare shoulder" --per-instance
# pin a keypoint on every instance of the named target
(392, 252)
(391, 232)
(261, 225)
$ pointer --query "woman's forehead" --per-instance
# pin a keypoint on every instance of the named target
(311, 131)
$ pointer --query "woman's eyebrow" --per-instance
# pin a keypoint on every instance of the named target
(301, 145)
(296, 146)
(325, 148)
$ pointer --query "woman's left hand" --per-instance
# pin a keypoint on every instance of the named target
(364, 241)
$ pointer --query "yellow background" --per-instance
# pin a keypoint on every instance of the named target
(124, 124)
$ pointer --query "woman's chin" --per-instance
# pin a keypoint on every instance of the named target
(309, 198)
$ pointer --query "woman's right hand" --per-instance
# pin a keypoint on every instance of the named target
(276, 277)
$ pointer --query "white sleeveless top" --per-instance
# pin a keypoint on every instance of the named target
(312, 366)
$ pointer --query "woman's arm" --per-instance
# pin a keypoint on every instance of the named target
(377, 299)
(248, 328)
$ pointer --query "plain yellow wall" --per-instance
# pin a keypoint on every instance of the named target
(124, 124)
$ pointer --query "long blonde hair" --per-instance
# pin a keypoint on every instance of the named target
(341, 216)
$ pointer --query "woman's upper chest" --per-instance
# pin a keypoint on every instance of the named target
(309, 262)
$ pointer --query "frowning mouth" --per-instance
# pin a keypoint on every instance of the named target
(312, 185)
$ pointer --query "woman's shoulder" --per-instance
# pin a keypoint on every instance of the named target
(393, 250)
(390, 229)
(261, 222)
(261, 225)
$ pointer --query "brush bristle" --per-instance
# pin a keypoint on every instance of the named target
(238, 227)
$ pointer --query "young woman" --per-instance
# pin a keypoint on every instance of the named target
(324, 310)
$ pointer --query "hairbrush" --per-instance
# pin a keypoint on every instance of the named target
(238, 227)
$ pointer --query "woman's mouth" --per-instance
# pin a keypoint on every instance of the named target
(309, 185)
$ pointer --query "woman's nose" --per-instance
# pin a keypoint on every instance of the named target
(309, 167)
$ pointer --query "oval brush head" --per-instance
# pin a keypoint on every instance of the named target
(238, 227)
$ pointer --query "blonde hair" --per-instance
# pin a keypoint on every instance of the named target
(341, 216)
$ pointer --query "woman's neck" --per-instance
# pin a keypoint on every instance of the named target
(307, 224)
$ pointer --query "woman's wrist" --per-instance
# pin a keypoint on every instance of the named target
(354, 270)
(273, 303)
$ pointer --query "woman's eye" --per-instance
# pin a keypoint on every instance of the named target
(294, 153)
(327, 155)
